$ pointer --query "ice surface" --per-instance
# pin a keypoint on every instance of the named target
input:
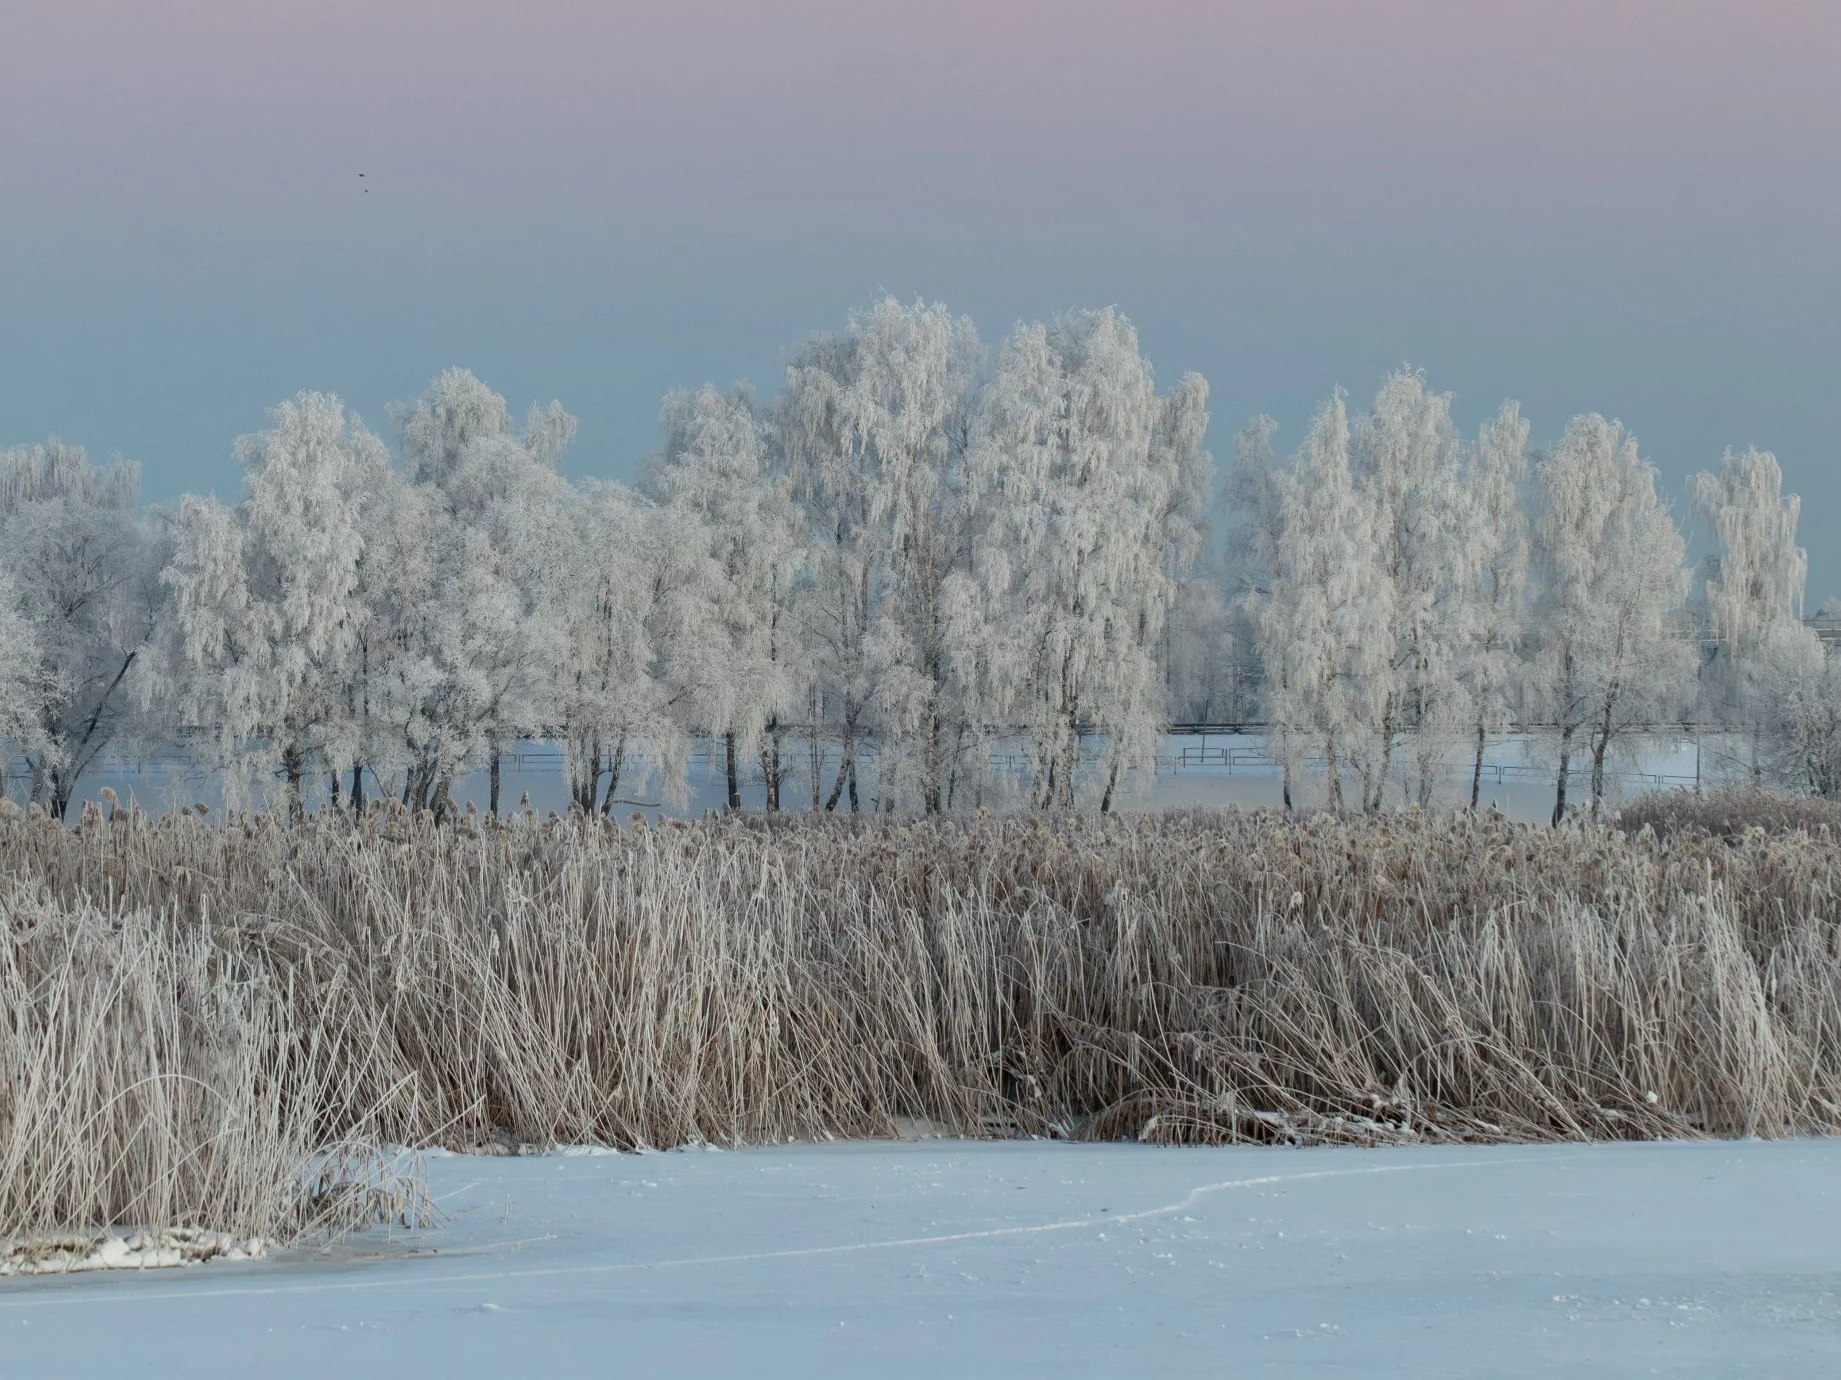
(1022, 1258)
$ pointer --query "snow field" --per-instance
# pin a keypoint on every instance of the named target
(1032, 1258)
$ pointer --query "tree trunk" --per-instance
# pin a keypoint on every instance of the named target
(818, 759)
(1476, 770)
(1070, 759)
(357, 792)
(1566, 757)
(728, 766)
(616, 763)
(1569, 700)
(293, 765)
(1601, 742)
(930, 754)
(770, 766)
(1335, 768)
(1378, 789)
(1112, 781)
(846, 769)
(492, 799)
(585, 774)
(958, 759)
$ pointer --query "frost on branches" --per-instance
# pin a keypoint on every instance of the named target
(923, 576)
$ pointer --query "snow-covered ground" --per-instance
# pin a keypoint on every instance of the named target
(1017, 1259)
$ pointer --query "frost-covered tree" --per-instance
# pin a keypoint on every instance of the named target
(1611, 575)
(872, 424)
(1320, 619)
(1755, 597)
(637, 618)
(1093, 475)
(1196, 613)
(717, 466)
(84, 575)
(1496, 564)
(1253, 497)
(456, 412)
(268, 610)
(22, 688)
(1800, 696)
(477, 628)
(1206, 654)
(1409, 461)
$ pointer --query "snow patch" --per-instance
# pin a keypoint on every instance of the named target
(77, 1252)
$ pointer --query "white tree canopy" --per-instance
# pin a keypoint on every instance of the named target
(269, 617)
(1611, 577)
(750, 665)
(1097, 484)
(1495, 567)
(917, 578)
(873, 424)
(83, 572)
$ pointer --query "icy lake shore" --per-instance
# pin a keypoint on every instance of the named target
(1022, 1258)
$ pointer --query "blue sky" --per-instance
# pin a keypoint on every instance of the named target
(1622, 207)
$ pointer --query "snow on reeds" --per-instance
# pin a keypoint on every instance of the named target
(153, 1076)
(192, 1011)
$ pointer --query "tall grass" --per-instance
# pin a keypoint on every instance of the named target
(152, 1076)
(191, 1009)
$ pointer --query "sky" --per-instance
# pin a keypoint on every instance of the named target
(1625, 207)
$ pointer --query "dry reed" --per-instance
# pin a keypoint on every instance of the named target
(1183, 977)
(1729, 810)
(154, 1077)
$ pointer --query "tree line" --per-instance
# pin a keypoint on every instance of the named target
(917, 548)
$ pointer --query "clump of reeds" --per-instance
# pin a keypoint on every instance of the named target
(153, 1077)
(1727, 811)
(1193, 977)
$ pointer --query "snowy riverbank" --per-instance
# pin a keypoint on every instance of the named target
(1033, 1258)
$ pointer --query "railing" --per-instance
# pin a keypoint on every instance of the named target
(1231, 758)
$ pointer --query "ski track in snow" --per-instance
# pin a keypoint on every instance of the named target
(442, 1280)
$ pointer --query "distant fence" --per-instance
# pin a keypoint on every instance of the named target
(536, 757)
(1253, 761)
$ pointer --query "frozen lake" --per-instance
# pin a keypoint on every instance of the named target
(1209, 770)
(1023, 1258)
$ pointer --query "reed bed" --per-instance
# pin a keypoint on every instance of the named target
(1731, 810)
(193, 1010)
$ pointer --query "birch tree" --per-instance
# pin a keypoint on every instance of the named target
(635, 615)
(1408, 458)
(22, 687)
(1496, 567)
(267, 609)
(1756, 597)
(717, 466)
(84, 574)
(1094, 473)
(873, 424)
(1801, 690)
(1326, 601)
(484, 639)
(1611, 576)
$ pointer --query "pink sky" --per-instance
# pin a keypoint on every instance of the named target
(1629, 207)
